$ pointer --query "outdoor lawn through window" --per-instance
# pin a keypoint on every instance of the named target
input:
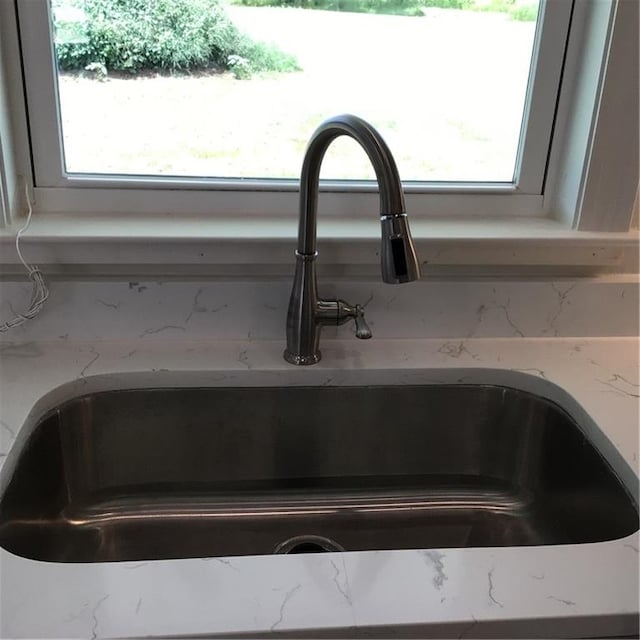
(446, 88)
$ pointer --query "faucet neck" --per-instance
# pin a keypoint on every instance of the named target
(391, 195)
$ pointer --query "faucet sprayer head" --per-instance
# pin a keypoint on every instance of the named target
(399, 260)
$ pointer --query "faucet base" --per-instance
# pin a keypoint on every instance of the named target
(294, 358)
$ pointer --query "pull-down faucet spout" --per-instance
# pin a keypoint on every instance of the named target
(399, 262)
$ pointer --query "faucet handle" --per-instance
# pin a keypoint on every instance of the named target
(338, 312)
(362, 328)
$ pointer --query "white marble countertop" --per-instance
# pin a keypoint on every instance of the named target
(587, 590)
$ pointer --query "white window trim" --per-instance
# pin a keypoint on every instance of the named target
(594, 165)
(502, 235)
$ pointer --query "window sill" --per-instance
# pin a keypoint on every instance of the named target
(71, 245)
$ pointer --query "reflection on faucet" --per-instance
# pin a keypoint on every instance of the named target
(399, 262)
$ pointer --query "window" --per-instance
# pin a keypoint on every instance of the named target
(558, 146)
(448, 87)
(468, 110)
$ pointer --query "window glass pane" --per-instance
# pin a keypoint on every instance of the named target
(445, 86)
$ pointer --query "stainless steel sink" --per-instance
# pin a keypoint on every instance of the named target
(178, 473)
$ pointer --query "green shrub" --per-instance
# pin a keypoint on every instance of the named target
(524, 12)
(265, 57)
(132, 35)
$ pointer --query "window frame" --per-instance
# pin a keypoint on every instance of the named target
(108, 243)
(594, 166)
(57, 190)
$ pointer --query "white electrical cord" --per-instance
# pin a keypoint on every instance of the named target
(40, 291)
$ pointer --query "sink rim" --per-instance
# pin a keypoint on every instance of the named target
(515, 379)
(468, 379)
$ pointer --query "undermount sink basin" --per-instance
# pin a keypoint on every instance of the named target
(176, 473)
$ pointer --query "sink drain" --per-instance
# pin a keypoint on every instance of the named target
(308, 544)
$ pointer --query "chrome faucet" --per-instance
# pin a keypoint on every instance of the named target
(307, 313)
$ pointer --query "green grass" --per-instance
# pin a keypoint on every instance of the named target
(386, 7)
(523, 10)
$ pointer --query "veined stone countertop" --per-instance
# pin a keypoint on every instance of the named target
(570, 590)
